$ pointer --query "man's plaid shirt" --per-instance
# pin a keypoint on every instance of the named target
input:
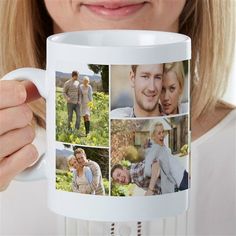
(137, 177)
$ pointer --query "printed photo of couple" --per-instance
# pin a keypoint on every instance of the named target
(82, 104)
(149, 90)
(82, 170)
(149, 157)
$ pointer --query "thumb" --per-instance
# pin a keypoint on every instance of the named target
(31, 91)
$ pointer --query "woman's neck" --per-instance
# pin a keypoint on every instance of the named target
(208, 121)
(80, 170)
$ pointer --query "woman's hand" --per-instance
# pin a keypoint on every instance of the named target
(16, 133)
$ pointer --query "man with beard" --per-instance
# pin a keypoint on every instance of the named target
(146, 80)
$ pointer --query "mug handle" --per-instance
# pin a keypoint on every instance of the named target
(38, 77)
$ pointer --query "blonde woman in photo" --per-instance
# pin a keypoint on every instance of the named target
(172, 89)
(24, 27)
(174, 177)
(86, 96)
(82, 176)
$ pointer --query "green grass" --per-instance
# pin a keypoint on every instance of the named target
(98, 136)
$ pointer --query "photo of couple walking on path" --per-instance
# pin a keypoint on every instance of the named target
(78, 97)
(82, 102)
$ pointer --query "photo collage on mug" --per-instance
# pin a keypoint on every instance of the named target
(82, 129)
(123, 130)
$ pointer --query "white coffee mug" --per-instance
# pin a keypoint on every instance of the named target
(126, 136)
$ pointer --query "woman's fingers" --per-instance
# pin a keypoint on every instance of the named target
(16, 163)
(14, 140)
(15, 117)
(16, 150)
(12, 93)
(31, 91)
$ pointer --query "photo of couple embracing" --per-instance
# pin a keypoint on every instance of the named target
(87, 177)
(149, 157)
(82, 170)
(149, 90)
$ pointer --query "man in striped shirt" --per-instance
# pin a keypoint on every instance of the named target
(135, 174)
(71, 92)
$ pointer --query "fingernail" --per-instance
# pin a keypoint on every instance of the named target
(33, 156)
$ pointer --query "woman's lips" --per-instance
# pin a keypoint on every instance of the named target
(114, 11)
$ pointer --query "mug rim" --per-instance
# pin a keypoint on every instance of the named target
(167, 38)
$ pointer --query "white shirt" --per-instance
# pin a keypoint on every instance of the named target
(122, 112)
(212, 208)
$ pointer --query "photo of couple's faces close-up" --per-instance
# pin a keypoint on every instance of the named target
(123, 130)
(149, 90)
